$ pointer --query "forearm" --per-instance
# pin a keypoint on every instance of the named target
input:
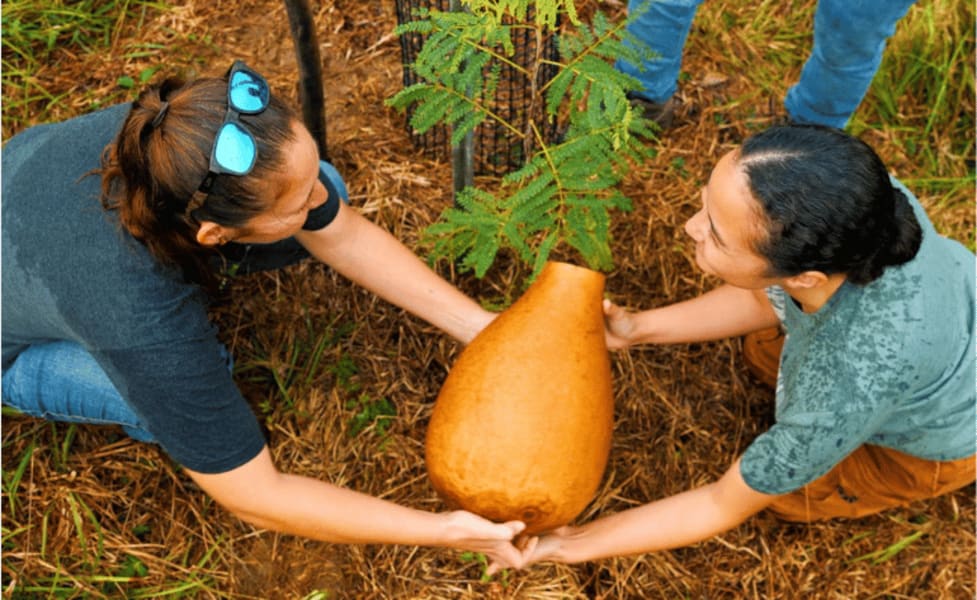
(721, 313)
(258, 493)
(318, 510)
(371, 257)
(668, 523)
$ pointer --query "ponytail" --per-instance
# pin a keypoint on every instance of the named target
(152, 170)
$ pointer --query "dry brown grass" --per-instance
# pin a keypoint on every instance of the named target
(89, 497)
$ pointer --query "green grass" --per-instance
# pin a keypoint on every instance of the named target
(36, 34)
(311, 350)
(924, 94)
(369, 413)
(933, 58)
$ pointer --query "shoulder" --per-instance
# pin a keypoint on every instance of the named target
(99, 122)
(51, 158)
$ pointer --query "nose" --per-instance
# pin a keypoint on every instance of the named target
(696, 225)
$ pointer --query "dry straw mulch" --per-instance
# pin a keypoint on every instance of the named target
(91, 501)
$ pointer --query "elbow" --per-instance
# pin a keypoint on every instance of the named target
(252, 492)
(256, 507)
(255, 518)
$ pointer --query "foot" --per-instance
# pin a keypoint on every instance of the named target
(663, 114)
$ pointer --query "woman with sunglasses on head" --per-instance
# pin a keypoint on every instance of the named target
(875, 399)
(104, 311)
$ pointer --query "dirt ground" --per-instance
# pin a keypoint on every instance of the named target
(90, 500)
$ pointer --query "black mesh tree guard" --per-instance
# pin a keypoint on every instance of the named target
(497, 150)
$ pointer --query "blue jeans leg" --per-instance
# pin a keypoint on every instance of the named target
(663, 27)
(849, 39)
(61, 381)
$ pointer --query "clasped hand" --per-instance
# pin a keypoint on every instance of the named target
(532, 549)
(501, 542)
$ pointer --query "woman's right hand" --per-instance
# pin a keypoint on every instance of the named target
(468, 531)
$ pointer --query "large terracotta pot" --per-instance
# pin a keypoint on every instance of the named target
(522, 426)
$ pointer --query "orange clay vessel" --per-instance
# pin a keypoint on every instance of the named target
(521, 429)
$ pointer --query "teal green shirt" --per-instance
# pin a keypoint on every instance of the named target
(891, 363)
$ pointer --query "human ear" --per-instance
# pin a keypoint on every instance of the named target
(806, 280)
(212, 234)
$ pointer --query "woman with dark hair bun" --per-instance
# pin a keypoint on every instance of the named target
(104, 310)
(875, 398)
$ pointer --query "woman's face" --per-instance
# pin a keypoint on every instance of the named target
(294, 192)
(724, 227)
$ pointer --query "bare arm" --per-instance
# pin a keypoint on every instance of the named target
(258, 493)
(726, 311)
(671, 522)
(366, 254)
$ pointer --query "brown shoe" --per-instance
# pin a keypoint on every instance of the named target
(761, 353)
(663, 114)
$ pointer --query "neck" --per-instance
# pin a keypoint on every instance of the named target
(813, 298)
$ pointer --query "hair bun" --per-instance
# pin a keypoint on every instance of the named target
(906, 232)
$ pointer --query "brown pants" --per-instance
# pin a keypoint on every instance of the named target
(870, 479)
(761, 353)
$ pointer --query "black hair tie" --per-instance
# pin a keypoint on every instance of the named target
(160, 115)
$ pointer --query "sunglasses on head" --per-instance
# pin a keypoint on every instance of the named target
(235, 150)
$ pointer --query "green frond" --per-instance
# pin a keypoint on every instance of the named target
(466, 125)
(530, 169)
(618, 201)
(531, 188)
(407, 96)
(536, 213)
(557, 90)
(571, 13)
(601, 25)
(491, 83)
(504, 39)
(543, 252)
(516, 240)
(587, 232)
(420, 26)
(430, 111)
(471, 75)
(481, 256)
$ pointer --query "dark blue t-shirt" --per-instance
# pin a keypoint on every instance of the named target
(71, 272)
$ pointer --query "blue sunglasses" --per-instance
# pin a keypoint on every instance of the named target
(235, 150)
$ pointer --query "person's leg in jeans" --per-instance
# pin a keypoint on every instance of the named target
(663, 26)
(849, 39)
(61, 381)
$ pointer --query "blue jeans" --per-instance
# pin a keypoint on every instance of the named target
(849, 39)
(61, 381)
